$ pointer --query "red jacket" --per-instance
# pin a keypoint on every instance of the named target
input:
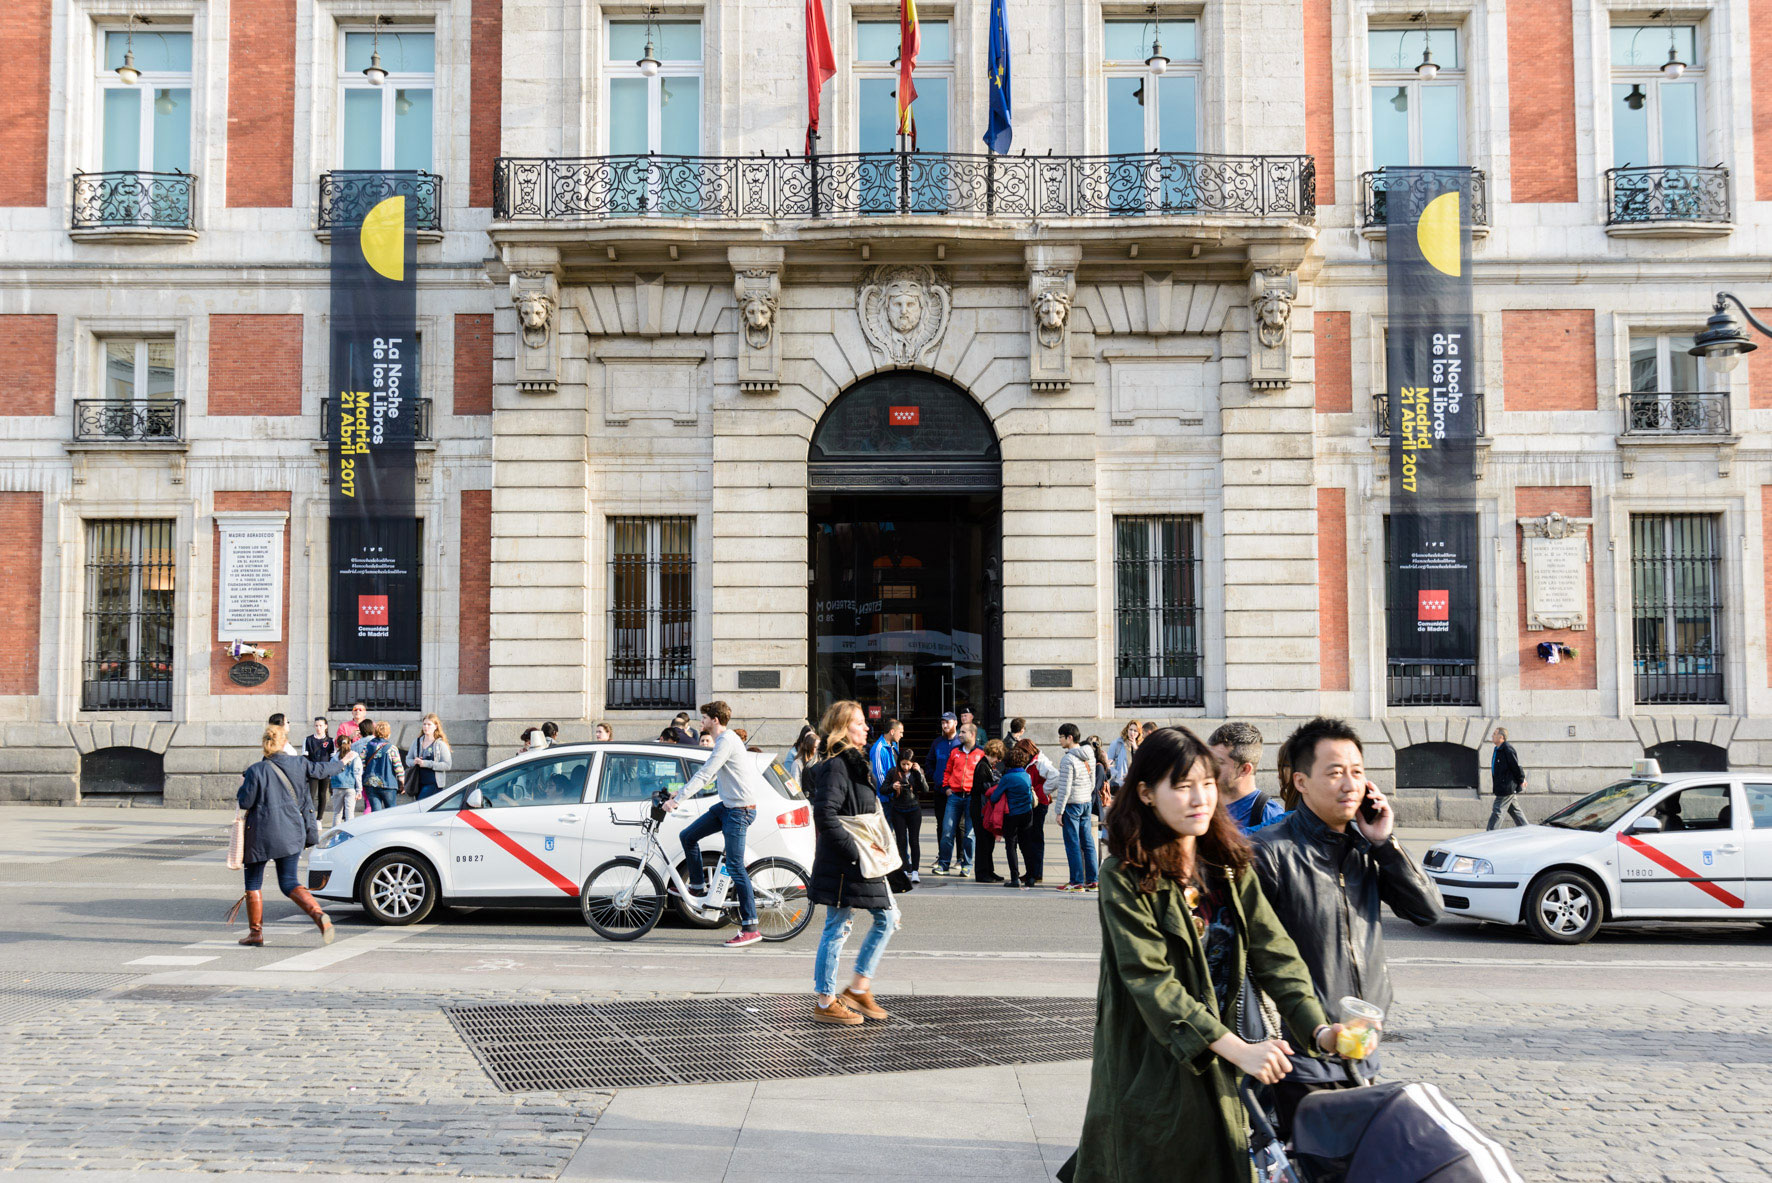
(957, 776)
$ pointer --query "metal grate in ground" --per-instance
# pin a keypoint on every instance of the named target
(562, 1047)
(24, 995)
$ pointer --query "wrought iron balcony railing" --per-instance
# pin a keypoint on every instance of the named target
(1381, 414)
(347, 194)
(1676, 414)
(860, 184)
(134, 200)
(421, 425)
(1424, 684)
(1668, 193)
(1678, 677)
(106, 420)
(124, 684)
(1375, 186)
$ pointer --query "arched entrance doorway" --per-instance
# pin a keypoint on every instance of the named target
(904, 501)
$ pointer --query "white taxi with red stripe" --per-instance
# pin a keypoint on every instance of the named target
(1689, 846)
(526, 832)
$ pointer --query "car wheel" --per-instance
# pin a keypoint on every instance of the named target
(399, 888)
(709, 860)
(1564, 908)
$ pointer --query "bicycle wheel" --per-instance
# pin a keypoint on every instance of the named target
(784, 908)
(622, 899)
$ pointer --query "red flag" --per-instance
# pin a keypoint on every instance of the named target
(821, 64)
(910, 44)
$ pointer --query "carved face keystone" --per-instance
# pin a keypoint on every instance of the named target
(904, 309)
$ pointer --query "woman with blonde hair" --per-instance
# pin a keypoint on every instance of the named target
(1121, 751)
(843, 786)
(280, 824)
(429, 759)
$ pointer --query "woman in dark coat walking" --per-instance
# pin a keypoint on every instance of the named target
(280, 824)
(843, 786)
(1182, 921)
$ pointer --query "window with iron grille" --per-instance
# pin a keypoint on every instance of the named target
(1157, 612)
(1424, 683)
(396, 689)
(651, 613)
(1676, 607)
(130, 584)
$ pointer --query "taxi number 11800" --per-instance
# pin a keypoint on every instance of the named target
(469, 858)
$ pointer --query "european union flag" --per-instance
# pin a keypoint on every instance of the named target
(999, 134)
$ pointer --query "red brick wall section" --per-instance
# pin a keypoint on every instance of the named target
(1759, 362)
(474, 630)
(1759, 38)
(1575, 501)
(1541, 116)
(255, 364)
(219, 662)
(473, 363)
(1547, 359)
(27, 363)
(1319, 94)
(21, 591)
(24, 115)
(261, 103)
(1332, 656)
(485, 99)
(1335, 364)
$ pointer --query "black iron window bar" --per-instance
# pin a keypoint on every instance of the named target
(130, 585)
(1639, 195)
(1157, 612)
(1377, 185)
(1381, 414)
(107, 420)
(1431, 683)
(1676, 413)
(421, 424)
(134, 200)
(651, 613)
(784, 187)
(1676, 608)
(379, 690)
(347, 194)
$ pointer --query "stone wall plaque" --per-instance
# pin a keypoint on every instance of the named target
(1555, 554)
(759, 679)
(1049, 679)
(249, 673)
(249, 600)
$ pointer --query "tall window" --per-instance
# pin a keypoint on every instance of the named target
(1677, 607)
(1667, 388)
(147, 127)
(137, 387)
(1655, 121)
(1415, 121)
(651, 612)
(1147, 111)
(130, 582)
(876, 86)
(1660, 362)
(1157, 612)
(662, 113)
(388, 126)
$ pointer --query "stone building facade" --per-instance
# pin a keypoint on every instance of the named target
(1087, 434)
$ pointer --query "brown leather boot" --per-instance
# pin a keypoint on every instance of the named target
(863, 1001)
(255, 919)
(302, 899)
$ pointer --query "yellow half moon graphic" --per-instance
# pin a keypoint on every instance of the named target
(1437, 232)
(384, 238)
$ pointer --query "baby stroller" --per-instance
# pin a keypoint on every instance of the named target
(1384, 1133)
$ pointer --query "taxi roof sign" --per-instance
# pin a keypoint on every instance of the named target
(1645, 769)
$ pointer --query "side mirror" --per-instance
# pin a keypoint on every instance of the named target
(477, 800)
(1646, 825)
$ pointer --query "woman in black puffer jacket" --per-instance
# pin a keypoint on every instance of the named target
(843, 786)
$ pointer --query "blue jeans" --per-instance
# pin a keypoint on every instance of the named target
(956, 815)
(384, 798)
(837, 925)
(1079, 841)
(287, 881)
(732, 823)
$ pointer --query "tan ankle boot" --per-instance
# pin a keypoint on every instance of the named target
(255, 918)
(304, 900)
(863, 1001)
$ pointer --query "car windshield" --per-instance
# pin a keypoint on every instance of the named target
(1601, 810)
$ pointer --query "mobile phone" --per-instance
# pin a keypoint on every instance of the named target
(1368, 811)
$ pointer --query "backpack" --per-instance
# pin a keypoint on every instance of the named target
(378, 770)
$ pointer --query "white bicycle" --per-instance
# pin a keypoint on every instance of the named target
(624, 898)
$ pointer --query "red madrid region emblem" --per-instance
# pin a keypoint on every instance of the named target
(904, 416)
(372, 610)
(1433, 605)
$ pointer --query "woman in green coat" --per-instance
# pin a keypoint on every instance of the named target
(1182, 921)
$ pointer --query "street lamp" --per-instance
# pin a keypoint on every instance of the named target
(127, 71)
(1723, 341)
(648, 65)
(374, 71)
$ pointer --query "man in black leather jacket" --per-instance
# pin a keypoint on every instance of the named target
(1327, 871)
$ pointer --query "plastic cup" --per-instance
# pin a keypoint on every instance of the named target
(1362, 1026)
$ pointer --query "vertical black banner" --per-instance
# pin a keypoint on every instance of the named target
(1432, 366)
(373, 408)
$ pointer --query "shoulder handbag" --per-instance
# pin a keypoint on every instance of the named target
(873, 839)
(300, 801)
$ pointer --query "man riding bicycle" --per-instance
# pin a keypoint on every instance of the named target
(742, 789)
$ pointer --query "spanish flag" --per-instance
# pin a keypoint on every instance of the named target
(910, 43)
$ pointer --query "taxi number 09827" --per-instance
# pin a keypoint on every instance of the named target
(469, 858)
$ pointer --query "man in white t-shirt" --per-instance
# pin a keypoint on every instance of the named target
(742, 789)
